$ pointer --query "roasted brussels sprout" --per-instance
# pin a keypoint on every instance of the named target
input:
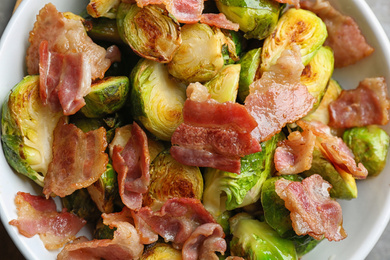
(322, 113)
(107, 96)
(156, 99)
(256, 18)
(224, 86)
(103, 231)
(232, 48)
(103, 8)
(161, 251)
(27, 130)
(105, 190)
(226, 190)
(170, 179)
(150, 31)
(253, 239)
(304, 244)
(103, 29)
(275, 213)
(317, 73)
(369, 144)
(296, 26)
(81, 204)
(199, 56)
(343, 184)
(250, 63)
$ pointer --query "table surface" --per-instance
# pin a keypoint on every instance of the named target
(381, 250)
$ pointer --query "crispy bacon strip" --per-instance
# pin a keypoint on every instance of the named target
(78, 159)
(334, 149)
(37, 215)
(204, 242)
(220, 21)
(177, 219)
(295, 155)
(125, 244)
(132, 165)
(368, 104)
(344, 35)
(312, 211)
(64, 36)
(278, 97)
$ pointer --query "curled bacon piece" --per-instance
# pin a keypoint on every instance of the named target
(295, 155)
(368, 104)
(78, 159)
(177, 219)
(335, 149)
(37, 215)
(132, 165)
(125, 244)
(220, 21)
(344, 35)
(312, 210)
(278, 97)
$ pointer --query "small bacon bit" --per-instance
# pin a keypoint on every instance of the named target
(278, 97)
(334, 149)
(204, 242)
(312, 210)
(177, 219)
(291, 2)
(78, 159)
(132, 165)
(37, 215)
(295, 154)
(125, 244)
(368, 104)
(220, 21)
(344, 35)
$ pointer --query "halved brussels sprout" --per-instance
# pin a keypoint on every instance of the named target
(103, 8)
(107, 96)
(226, 190)
(322, 113)
(224, 86)
(171, 179)
(150, 31)
(199, 56)
(27, 130)
(253, 239)
(304, 244)
(296, 26)
(161, 251)
(81, 204)
(250, 63)
(275, 212)
(156, 99)
(343, 184)
(317, 74)
(369, 144)
(256, 18)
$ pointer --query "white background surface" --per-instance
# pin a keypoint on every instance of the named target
(382, 10)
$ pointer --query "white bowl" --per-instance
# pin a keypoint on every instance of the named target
(365, 218)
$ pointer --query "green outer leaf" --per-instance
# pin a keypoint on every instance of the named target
(250, 62)
(269, 5)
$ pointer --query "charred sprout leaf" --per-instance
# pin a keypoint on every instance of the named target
(369, 144)
(103, 8)
(156, 99)
(224, 86)
(150, 31)
(250, 63)
(343, 184)
(317, 73)
(161, 251)
(256, 18)
(107, 96)
(232, 48)
(103, 231)
(300, 27)
(27, 129)
(275, 213)
(81, 204)
(104, 191)
(322, 113)
(171, 179)
(253, 239)
(199, 56)
(226, 190)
